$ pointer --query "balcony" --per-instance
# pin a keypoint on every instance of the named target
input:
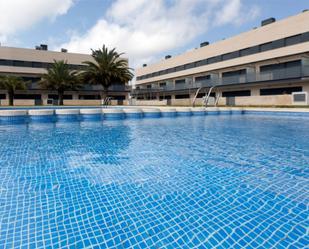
(273, 75)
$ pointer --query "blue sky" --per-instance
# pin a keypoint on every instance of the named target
(145, 30)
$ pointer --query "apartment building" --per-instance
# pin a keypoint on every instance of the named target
(31, 64)
(268, 65)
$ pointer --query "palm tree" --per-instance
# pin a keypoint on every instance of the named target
(11, 84)
(60, 78)
(107, 69)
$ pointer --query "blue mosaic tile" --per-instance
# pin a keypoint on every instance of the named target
(114, 116)
(134, 115)
(169, 114)
(91, 117)
(68, 117)
(221, 181)
(13, 119)
(202, 113)
(152, 114)
(42, 118)
(180, 113)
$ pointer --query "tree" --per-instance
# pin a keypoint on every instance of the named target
(60, 78)
(106, 69)
(11, 84)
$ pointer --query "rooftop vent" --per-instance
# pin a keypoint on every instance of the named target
(64, 50)
(203, 44)
(144, 65)
(42, 47)
(268, 21)
(168, 57)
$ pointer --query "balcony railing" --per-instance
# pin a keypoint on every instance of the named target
(276, 74)
(116, 88)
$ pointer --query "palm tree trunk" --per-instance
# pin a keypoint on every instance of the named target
(11, 97)
(60, 97)
(104, 94)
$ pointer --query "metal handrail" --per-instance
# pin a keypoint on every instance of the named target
(208, 95)
(106, 101)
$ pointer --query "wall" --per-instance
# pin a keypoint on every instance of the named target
(269, 100)
(4, 102)
(150, 102)
(24, 102)
(81, 102)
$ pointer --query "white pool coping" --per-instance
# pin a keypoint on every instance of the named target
(112, 111)
(168, 109)
(44, 112)
(13, 113)
(149, 109)
(90, 111)
(67, 111)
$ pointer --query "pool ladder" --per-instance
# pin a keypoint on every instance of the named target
(106, 102)
(206, 97)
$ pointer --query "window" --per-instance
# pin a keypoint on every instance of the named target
(189, 65)
(89, 97)
(162, 72)
(234, 73)
(162, 84)
(201, 63)
(280, 91)
(171, 70)
(27, 96)
(179, 68)
(182, 81)
(18, 63)
(305, 37)
(202, 78)
(236, 93)
(182, 96)
(269, 68)
(214, 59)
(266, 47)
(165, 97)
(292, 40)
(2, 96)
(287, 65)
(55, 96)
(31, 79)
(155, 74)
(119, 97)
(231, 55)
(4, 63)
(37, 64)
(278, 44)
(248, 51)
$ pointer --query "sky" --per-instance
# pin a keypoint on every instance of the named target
(145, 30)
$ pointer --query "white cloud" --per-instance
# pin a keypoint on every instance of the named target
(18, 15)
(235, 13)
(145, 29)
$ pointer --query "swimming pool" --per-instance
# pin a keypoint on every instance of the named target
(225, 181)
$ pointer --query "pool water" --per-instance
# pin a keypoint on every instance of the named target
(225, 181)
